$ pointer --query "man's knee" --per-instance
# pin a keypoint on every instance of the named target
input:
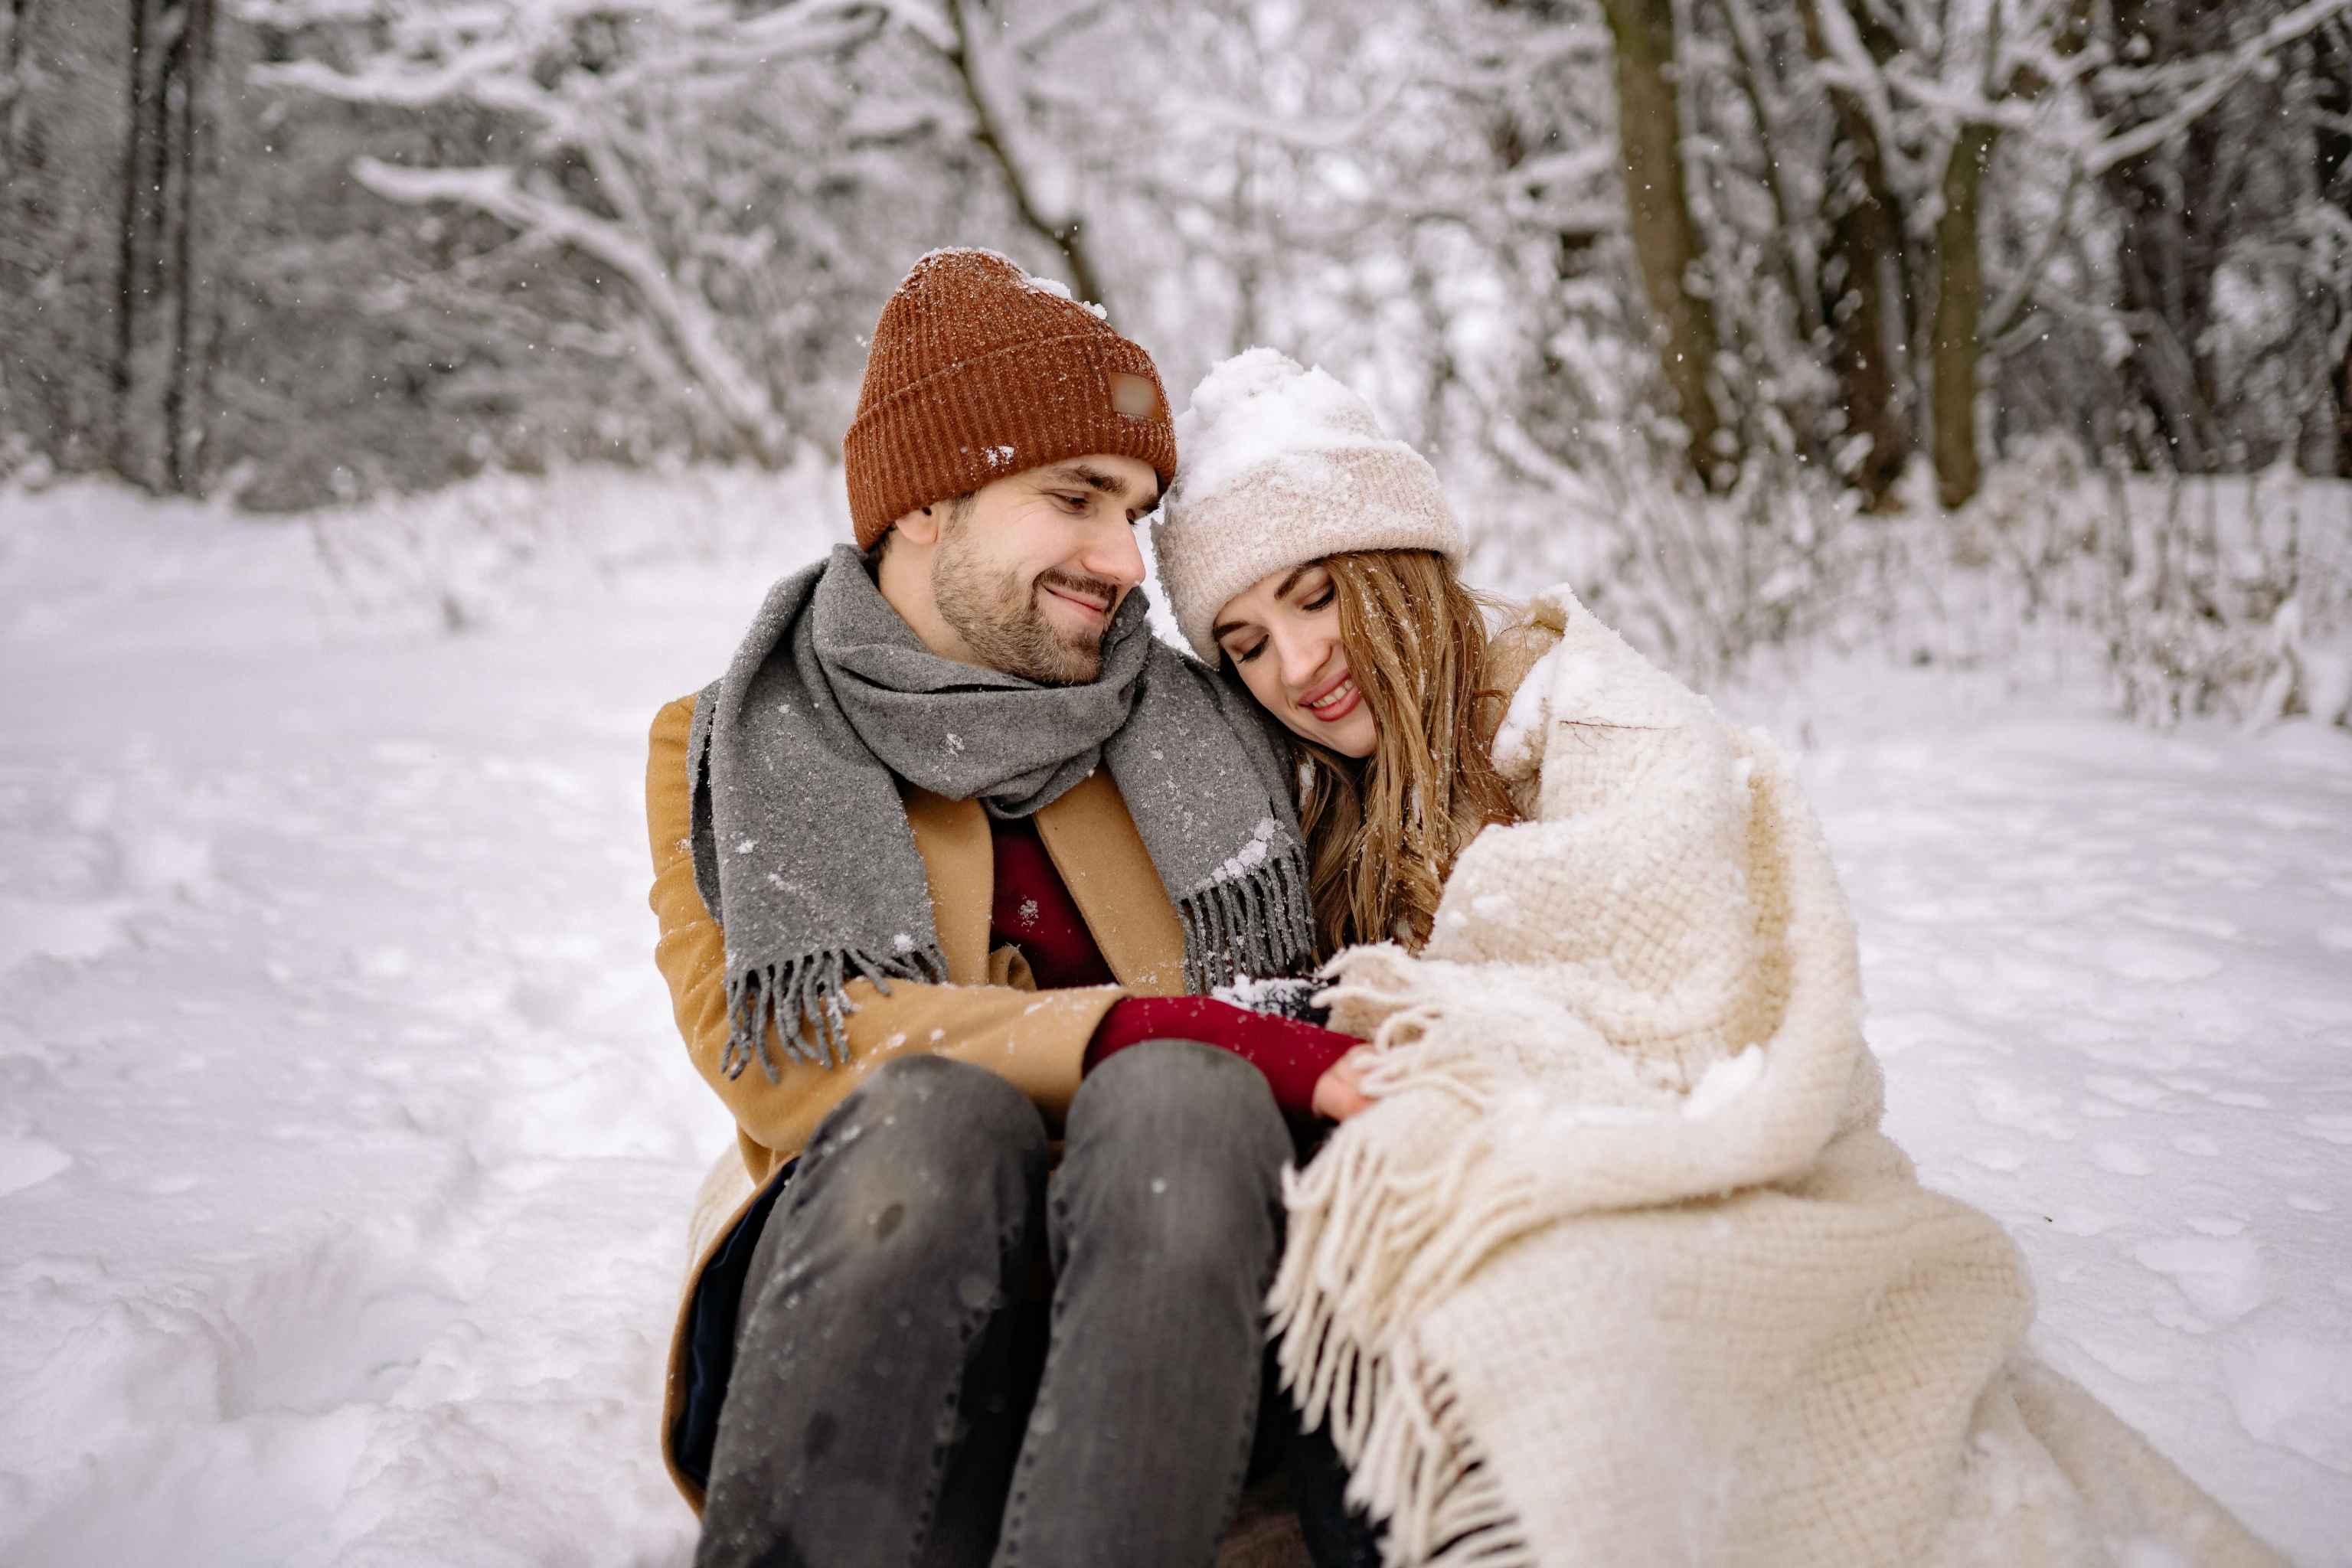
(933, 1111)
(1180, 1152)
(921, 1152)
(1184, 1097)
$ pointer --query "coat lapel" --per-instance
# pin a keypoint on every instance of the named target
(1095, 845)
(960, 862)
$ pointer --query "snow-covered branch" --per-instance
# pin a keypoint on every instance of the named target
(1246, 119)
(1040, 188)
(691, 331)
(487, 76)
(2220, 75)
(1848, 67)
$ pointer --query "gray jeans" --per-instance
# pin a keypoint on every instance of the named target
(901, 1396)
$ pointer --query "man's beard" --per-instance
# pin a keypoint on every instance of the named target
(1002, 622)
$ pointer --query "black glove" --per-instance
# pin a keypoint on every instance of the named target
(1293, 999)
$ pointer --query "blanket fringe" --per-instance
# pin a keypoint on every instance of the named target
(1370, 1247)
(1374, 1244)
(802, 999)
(1414, 1465)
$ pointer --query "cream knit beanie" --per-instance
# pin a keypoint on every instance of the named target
(1284, 466)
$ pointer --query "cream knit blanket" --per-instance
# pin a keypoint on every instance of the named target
(1619, 1268)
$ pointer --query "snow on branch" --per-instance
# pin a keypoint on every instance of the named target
(689, 328)
(2222, 73)
(935, 25)
(1848, 68)
(489, 75)
(1247, 119)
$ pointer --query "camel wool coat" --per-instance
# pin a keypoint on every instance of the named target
(990, 1013)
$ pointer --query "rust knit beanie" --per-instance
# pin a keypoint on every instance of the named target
(979, 371)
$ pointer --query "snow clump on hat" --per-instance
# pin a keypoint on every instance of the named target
(1283, 465)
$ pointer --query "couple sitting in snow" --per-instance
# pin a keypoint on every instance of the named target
(969, 887)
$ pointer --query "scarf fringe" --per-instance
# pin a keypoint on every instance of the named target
(1258, 924)
(808, 993)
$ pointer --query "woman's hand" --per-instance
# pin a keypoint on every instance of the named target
(1338, 1094)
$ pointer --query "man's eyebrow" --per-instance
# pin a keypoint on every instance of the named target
(1094, 478)
(1217, 633)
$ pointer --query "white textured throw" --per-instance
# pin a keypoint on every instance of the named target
(1619, 1268)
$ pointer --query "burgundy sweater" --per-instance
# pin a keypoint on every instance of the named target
(1034, 911)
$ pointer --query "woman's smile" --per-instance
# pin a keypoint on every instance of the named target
(1334, 699)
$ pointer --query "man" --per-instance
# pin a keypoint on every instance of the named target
(938, 862)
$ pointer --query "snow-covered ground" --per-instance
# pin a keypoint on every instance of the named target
(345, 1144)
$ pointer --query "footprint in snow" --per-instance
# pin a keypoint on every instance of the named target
(2335, 1129)
(2222, 1276)
(2292, 1392)
(2002, 1104)
(2156, 962)
(2215, 1225)
(2125, 1090)
(2122, 1159)
(27, 1162)
(2073, 1220)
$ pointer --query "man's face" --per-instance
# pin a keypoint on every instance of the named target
(1029, 570)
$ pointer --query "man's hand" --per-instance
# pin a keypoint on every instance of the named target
(1338, 1095)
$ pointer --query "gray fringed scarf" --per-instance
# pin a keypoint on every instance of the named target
(801, 849)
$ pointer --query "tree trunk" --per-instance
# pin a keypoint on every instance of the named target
(1066, 232)
(1665, 240)
(1866, 326)
(155, 281)
(2175, 213)
(1959, 303)
(184, 401)
(134, 246)
(2329, 115)
(1863, 296)
(15, 28)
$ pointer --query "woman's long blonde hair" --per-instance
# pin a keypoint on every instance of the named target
(1383, 831)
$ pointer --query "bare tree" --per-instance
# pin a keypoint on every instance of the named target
(987, 60)
(158, 291)
(590, 110)
(1665, 239)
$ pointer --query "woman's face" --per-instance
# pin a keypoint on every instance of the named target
(1282, 633)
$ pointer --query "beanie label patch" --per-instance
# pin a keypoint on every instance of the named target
(1134, 395)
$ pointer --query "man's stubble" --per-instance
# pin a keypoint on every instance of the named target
(999, 616)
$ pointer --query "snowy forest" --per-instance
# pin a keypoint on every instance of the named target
(1729, 283)
(400, 400)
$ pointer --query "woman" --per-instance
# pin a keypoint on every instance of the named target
(1316, 558)
(1622, 1268)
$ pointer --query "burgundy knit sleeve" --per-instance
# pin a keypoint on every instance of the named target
(1291, 1055)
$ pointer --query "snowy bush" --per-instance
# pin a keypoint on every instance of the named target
(2223, 595)
(2227, 596)
(478, 552)
(1697, 582)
